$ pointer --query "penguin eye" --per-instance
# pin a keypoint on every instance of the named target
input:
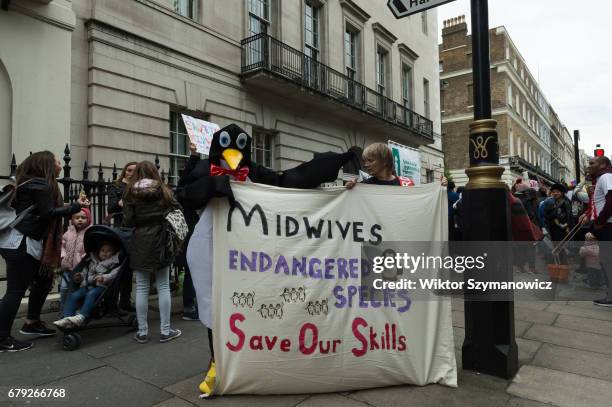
(241, 141)
(225, 139)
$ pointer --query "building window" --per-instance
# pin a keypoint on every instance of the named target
(311, 43)
(426, 98)
(179, 147)
(311, 31)
(262, 147)
(407, 87)
(186, 8)
(381, 71)
(424, 22)
(350, 61)
(429, 176)
(259, 16)
(517, 106)
(510, 95)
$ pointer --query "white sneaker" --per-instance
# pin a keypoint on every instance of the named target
(63, 323)
(77, 320)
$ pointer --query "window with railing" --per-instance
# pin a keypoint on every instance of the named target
(186, 8)
(259, 22)
(311, 42)
(262, 148)
(350, 60)
(179, 146)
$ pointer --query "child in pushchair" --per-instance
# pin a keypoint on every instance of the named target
(95, 283)
(98, 273)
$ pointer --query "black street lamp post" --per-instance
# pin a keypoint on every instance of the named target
(489, 345)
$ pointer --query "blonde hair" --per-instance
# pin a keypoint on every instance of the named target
(380, 152)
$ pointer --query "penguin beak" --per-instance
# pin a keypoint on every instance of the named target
(232, 157)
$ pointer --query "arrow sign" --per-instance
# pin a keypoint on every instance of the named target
(405, 8)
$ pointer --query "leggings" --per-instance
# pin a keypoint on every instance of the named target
(22, 271)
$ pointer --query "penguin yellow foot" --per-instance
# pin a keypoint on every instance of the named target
(208, 384)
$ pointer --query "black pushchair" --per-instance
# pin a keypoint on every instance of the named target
(106, 304)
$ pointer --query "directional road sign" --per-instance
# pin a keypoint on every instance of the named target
(404, 8)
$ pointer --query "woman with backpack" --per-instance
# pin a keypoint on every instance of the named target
(32, 247)
(147, 202)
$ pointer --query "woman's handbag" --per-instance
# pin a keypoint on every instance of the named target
(176, 229)
(8, 217)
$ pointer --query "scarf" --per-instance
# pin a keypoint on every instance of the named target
(52, 244)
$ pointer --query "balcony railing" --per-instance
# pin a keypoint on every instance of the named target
(519, 162)
(263, 52)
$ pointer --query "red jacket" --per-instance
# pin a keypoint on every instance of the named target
(521, 225)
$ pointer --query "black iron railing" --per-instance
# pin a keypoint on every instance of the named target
(263, 52)
(519, 162)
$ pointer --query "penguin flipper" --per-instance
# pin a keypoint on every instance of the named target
(322, 168)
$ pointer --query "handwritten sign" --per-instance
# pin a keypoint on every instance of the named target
(200, 133)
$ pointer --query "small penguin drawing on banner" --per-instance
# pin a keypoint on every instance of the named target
(235, 300)
(250, 299)
(324, 306)
(294, 295)
(263, 311)
(302, 294)
(279, 311)
(317, 307)
(286, 295)
(310, 308)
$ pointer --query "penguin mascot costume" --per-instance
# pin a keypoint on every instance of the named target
(202, 180)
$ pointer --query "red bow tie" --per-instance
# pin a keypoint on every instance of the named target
(239, 174)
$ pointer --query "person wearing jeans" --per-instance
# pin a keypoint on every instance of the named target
(147, 201)
(162, 282)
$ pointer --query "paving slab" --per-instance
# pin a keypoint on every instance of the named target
(593, 312)
(560, 388)
(596, 326)
(532, 315)
(188, 391)
(174, 402)
(103, 387)
(534, 305)
(162, 364)
(45, 362)
(574, 361)
(518, 402)
(331, 400)
(570, 338)
(474, 390)
(527, 349)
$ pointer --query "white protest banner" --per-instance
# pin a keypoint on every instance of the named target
(290, 313)
(407, 161)
(200, 132)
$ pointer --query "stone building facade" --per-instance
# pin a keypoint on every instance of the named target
(35, 77)
(532, 139)
(316, 75)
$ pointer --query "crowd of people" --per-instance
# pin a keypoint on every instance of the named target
(578, 213)
(36, 248)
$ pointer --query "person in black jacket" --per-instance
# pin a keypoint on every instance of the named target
(115, 208)
(116, 191)
(558, 215)
(147, 201)
(32, 249)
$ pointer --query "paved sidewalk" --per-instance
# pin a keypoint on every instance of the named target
(565, 353)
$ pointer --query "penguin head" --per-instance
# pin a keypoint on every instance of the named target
(231, 144)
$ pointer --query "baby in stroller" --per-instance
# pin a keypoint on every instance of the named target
(97, 274)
